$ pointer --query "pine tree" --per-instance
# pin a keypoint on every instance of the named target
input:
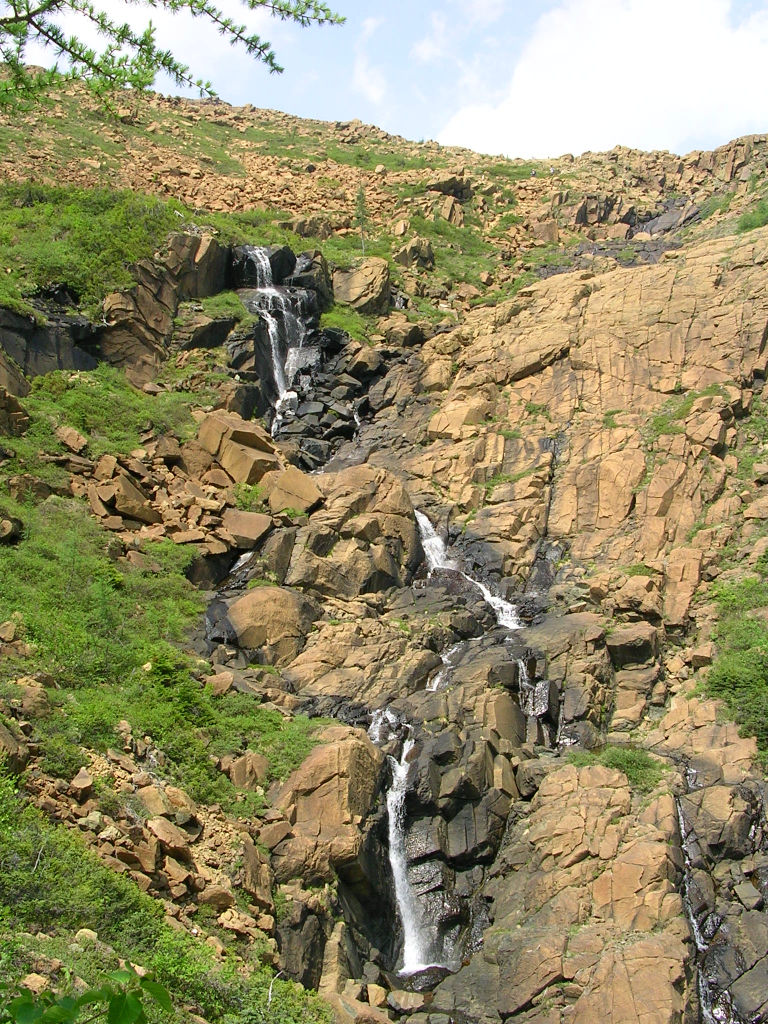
(130, 58)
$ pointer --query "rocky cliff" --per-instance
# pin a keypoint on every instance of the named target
(495, 547)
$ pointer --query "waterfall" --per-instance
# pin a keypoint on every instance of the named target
(442, 674)
(534, 696)
(282, 310)
(384, 724)
(437, 557)
(414, 953)
(715, 1007)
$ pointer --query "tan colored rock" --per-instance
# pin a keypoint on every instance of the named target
(170, 837)
(249, 771)
(365, 287)
(72, 439)
(273, 619)
(327, 800)
(218, 897)
(14, 750)
(291, 489)
(82, 785)
(416, 253)
(130, 500)
(258, 879)
(219, 426)
(247, 528)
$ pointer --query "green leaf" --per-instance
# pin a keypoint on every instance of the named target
(124, 976)
(24, 1011)
(125, 1008)
(158, 993)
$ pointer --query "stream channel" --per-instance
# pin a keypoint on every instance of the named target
(433, 880)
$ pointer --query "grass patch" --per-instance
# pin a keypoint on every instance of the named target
(461, 253)
(739, 675)
(345, 318)
(96, 625)
(103, 406)
(51, 885)
(639, 569)
(506, 478)
(757, 217)
(83, 238)
(672, 416)
(609, 418)
(716, 204)
(643, 772)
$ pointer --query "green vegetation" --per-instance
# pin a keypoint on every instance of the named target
(506, 478)
(643, 771)
(345, 318)
(535, 410)
(104, 407)
(84, 238)
(757, 217)
(609, 418)
(107, 631)
(716, 204)
(249, 497)
(671, 418)
(639, 569)
(461, 253)
(120, 1000)
(739, 675)
(51, 883)
(130, 58)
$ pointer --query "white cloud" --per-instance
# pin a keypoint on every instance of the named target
(434, 45)
(485, 12)
(367, 78)
(645, 73)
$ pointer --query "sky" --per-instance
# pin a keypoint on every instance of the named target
(523, 78)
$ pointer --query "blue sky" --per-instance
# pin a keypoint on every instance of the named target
(535, 78)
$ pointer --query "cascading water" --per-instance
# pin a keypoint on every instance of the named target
(283, 311)
(534, 696)
(437, 557)
(383, 727)
(715, 1007)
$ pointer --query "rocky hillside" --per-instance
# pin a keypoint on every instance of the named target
(394, 620)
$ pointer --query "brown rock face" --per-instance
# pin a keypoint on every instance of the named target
(13, 419)
(140, 320)
(364, 538)
(366, 287)
(273, 620)
(327, 800)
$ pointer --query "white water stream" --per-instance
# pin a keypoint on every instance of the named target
(384, 724)
(275, 306)
(437, 557)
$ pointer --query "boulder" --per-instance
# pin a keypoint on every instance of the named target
(635, 644)
(258, 879)
(12, 750)
(13, 419)
(364, 287)
(327, 800)
(248, 771)
(273, 620)
(291, 489)
(247, 528)
(416, 253)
